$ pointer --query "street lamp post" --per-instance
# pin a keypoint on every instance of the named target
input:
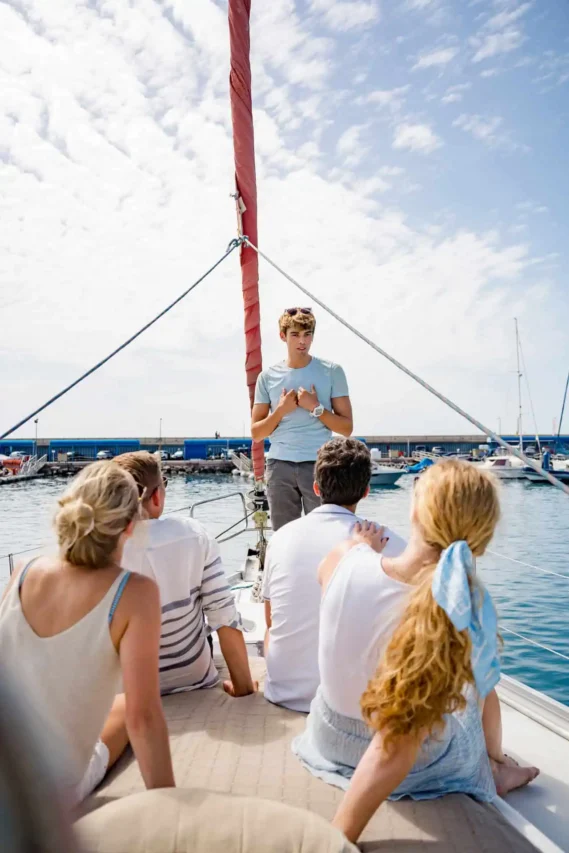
(36, 438)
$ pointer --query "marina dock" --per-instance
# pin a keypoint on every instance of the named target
(215, 455)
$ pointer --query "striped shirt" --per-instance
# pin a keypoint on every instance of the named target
(184, 560)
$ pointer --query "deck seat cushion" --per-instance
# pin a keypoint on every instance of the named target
(242, 746)
(174, 820)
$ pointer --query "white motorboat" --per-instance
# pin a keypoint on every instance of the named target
(504, 467)
(384, 475)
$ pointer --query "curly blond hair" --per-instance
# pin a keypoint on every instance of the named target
(299, 322)
(426, 665)
(93, 513)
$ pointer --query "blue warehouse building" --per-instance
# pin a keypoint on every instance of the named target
(211, 448)
(10, 445)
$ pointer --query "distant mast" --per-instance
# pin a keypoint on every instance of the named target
(557, 443)
(520, 433)
(246, 198)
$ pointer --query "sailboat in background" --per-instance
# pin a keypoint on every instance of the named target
(503, 465)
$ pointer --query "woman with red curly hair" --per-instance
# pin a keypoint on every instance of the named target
(408, 659)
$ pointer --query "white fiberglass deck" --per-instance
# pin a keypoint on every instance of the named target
(536, 731)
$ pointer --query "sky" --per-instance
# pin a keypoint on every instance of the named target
(412, 171)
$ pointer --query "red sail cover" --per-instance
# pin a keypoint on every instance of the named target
(246, 187)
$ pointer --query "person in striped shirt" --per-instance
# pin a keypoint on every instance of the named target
(184, 560)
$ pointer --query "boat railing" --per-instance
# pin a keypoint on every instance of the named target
(33, 465)
(241, 462)
(11, 557)
(424, 454)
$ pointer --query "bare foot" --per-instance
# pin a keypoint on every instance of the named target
(508, 775)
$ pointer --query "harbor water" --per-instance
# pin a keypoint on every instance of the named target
(531, 601)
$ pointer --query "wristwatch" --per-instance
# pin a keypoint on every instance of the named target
(318, 411)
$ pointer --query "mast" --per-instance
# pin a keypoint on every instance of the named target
(246, 198)
(562, 413)
(520, 433)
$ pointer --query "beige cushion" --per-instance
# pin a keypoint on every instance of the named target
(174, 820)
(242, 746)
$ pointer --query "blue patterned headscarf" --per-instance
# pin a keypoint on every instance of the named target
(473, 611)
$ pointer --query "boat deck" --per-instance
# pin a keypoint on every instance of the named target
(242, 747)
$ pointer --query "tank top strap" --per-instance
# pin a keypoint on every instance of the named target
(24, 572)
(120, 589)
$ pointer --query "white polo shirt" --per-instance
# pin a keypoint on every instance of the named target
(291, 585)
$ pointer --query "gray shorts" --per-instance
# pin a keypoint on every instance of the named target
(290, 489)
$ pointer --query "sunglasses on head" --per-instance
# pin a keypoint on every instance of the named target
(293, 311)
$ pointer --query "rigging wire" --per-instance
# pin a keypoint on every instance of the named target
(534, 643)
(514, 450)
(233, 245)
(25, 551)
(529, 565)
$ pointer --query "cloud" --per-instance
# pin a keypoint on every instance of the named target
(416, 137)
(488, 130)
(508, 17)
(553, 69)
(345, 15)
(481, 128)
(393, 99)
(531, 207)
(432, 8)
(454, 94)
(490, 72)
(497, 43)
(116, 165)
(349, 145)
(436, 58)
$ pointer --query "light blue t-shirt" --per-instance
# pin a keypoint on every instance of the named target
(299, 437)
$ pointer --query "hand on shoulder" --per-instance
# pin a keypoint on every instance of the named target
(370, 533)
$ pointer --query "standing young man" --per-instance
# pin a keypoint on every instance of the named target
(298, 404)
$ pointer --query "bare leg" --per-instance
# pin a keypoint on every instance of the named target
(114, 734)
(507, 774)
(492, 725)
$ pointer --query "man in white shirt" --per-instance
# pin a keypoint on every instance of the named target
(290, 586)
(184, 560)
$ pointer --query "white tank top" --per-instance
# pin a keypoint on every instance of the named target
(70, 678)
(360, 610)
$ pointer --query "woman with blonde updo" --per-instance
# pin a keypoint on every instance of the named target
(72, 625)
(408, 658)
